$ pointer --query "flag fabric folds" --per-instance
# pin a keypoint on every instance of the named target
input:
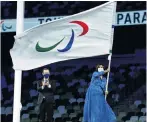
(85, 34)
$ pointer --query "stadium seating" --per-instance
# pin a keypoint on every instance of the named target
(25, 118)
(134, 118)
(69, 99)
(142, 119)
(143, 110)
(60, 8)
(137, 102)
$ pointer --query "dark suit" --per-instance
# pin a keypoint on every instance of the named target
(46, 100)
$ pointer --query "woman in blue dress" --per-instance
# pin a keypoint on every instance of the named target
(96, 108)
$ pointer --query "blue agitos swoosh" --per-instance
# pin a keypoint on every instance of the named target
(69, 45)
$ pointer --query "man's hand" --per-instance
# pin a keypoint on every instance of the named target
(47, 83)
(43, 83)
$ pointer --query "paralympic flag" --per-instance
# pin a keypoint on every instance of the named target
(85, 34)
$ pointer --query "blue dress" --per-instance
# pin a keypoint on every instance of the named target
(96, 108)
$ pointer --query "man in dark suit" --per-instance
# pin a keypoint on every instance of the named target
(46, 89)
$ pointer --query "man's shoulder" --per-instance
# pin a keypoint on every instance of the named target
(37, 81)
(53, 81)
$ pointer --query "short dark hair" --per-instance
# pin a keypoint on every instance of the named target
(98, 65)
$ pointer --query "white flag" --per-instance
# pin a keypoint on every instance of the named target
(84, 34)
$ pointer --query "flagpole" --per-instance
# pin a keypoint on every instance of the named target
(18, 73)
(110, 53)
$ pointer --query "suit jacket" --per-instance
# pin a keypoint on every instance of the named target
(48, 93)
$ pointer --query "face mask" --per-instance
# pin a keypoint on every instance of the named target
(100, 69)
(46, 75)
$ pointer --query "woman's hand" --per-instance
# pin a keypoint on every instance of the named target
(106, 71)
(106, 92)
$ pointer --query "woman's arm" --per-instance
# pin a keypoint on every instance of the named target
(97, 74)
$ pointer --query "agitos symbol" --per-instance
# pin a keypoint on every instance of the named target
(70, 43)
(4, 27)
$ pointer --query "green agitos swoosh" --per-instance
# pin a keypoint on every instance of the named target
(42, 49)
